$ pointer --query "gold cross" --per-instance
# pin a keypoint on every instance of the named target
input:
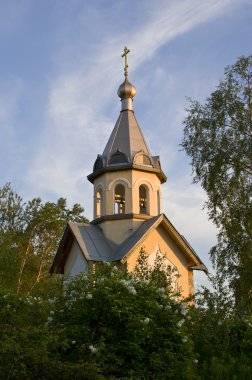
(126, 51)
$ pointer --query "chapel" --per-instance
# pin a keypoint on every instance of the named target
(127, 181)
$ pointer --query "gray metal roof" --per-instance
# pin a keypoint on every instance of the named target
(126, 247)
(126, 137)
(92, 242)
(126, 146)
(95, 246)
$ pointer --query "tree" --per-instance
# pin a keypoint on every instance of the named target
(127, 324)
(110, 324)
(29, 236)
(218, 138)
(27, 349)
(222, 341)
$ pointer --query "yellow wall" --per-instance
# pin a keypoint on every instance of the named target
(153, 183)
(160, 238)
(117, 231)
(131, 179)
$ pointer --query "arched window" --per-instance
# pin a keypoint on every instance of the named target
(142, 158)
(118, 158)
(169, 270)
(143, 200)
(119, 199)
(99, 202)
(158, 203)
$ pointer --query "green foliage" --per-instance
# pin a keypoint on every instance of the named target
(218, 138)
(222, 340)
(27, 341)
(29, 236)
(160, 274)
(110, 324)
(128, 326)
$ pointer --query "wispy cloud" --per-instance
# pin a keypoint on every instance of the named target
(172, 19)
(76, 127)
(83, 107)
(50, 149)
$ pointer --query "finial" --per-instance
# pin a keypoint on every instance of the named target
(126, 51)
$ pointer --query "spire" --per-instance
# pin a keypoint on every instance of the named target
(126, 90)
(126, 147)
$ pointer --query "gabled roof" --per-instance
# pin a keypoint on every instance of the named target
(130, 244)
(91, 241)
(95, 247)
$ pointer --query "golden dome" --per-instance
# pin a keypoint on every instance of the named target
(126, 90)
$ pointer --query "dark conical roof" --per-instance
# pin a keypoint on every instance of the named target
(126, 137)
(126, 147)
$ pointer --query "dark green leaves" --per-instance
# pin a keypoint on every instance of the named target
(218, 138)
(29, 236)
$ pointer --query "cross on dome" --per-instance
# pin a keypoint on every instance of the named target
(126, 90)
(126, 51)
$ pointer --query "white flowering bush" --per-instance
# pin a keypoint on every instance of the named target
(129, 326)
(120, 327)
(29, 340)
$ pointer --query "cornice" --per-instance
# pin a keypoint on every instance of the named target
(120, 167)
(121, 217)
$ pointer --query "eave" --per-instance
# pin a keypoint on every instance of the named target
(91, 177)
(194, 260)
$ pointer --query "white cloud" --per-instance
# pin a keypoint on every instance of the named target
(170, 20)
(83, 106)
(76, 128)
(183, 203)
(78, 125)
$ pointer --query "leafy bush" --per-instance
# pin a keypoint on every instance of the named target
(223, 340)
(130, 328)
(27, 341)
(114, 325)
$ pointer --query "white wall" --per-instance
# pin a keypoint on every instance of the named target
(75, 262)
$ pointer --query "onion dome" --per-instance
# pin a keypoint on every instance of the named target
(126, 90)
(126, 148)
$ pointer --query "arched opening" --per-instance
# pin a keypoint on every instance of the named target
(142, 158)
(158, 203)
(118, 158)
(119, 199)
(143, 200)
(99, 203)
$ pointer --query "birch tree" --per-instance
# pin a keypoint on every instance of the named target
(218, 139)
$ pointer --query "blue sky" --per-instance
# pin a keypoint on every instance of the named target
(60, 68)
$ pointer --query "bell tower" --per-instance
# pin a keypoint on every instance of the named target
(127, 183)
(126, 177)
